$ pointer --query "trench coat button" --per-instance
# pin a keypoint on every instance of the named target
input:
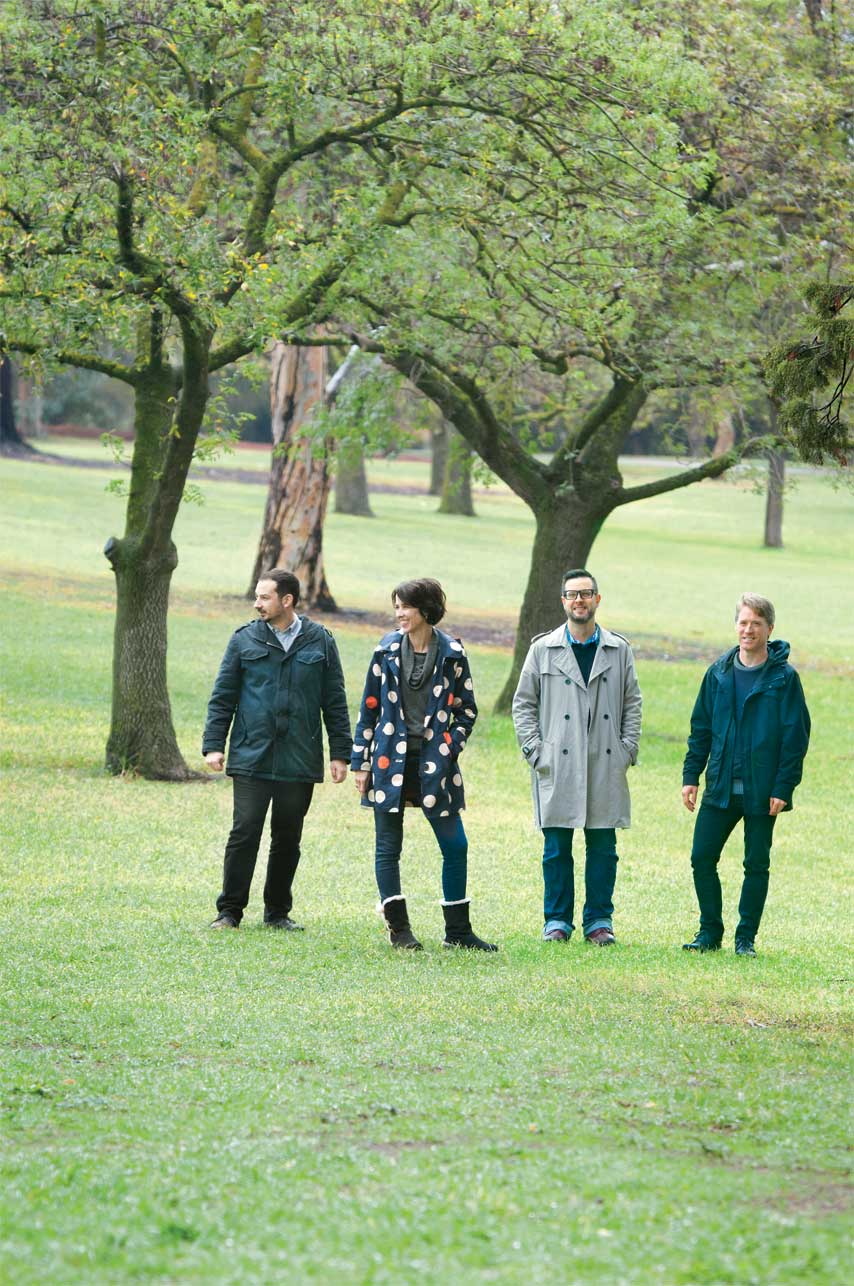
(567, 680)
(606, 716)
(566, 716)
(566, 752)
(608, 751)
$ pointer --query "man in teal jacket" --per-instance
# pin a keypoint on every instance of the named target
(749, 730)
(278, 676)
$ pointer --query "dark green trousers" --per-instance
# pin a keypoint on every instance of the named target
(712, 829)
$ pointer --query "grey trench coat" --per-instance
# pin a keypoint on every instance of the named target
(579, 740)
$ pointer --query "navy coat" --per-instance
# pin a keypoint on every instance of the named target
(775, 733)
(275, 700)
(381, 738)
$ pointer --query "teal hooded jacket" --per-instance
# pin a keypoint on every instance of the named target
(273, 702)
(774, 731)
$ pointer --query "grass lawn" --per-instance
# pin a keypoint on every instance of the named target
(185, 1107)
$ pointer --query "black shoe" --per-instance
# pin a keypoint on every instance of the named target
(400, 932)
(224, 921)
(284, 922)
(458, 930)
(702, 943)
(744, 947)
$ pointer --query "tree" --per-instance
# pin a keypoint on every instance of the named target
(298, 492)
(11, 442)
(657, 281)
(456, 484)
(192, 179)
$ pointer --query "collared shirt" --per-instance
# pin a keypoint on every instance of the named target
(593, 641)
(286, 637)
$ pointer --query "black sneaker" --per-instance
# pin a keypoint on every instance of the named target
(702, 943)
(744, 947)
(224, 921)
(284, 922)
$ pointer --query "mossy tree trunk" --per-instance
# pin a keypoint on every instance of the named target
(351, 481)
(439, 447)
(169, 407)
(456, 485)
(774, 499)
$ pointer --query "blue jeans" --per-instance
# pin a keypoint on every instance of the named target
(600, 876)
(452, 843)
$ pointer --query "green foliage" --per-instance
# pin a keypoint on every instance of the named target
(799, 374)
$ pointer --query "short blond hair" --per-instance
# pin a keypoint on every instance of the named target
(761, 606)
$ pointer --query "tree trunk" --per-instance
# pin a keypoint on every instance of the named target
(142, 737)
(292, 536)
(351, 481)
(439, 447)
(456, 486)
(565, 532)
(11, 442)
(774, 499)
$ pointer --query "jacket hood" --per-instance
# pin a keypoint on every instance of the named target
(778, 655)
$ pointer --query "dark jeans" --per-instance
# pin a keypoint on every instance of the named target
(600, 876)
(252, 798)
(453, 844)
(712, 829)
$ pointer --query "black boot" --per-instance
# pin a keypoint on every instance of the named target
(458, 930)
(399, 930)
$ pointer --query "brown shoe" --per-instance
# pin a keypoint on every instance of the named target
(224, 921)
(601, 938)
(556, 935)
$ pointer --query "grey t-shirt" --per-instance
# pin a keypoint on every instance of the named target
(417, 671)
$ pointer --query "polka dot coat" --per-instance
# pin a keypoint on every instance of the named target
(380, 742)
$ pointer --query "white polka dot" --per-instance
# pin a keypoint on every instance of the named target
(457, 779)
(395, 646)
(437, 691)
(395, 660)
(444, 813)
(457, 647)
(458, 669)
(388, 729)
(443, 783)
(444, 748)
(458, 701)
(376, 669)
(442, 716)
(382, 678)
(446, 683)
(428, 735)
(368, 733)
(379, 796)
(397, 779)
(392, 696)
(394, 810)
(469, 712)
(468, 685)
(357, 750)
(428, 767)
(401, 747)
(371, 796)
(429, 801)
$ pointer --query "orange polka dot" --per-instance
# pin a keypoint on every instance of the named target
(450, 698)
(371, 703)
(448, 737)
(383, 761)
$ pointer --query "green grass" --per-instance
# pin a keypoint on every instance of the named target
(178, 1106)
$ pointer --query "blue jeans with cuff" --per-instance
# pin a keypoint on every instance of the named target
(600, 876)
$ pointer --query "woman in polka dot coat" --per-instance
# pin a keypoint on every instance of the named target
(417, 712)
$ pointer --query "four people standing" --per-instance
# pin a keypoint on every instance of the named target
(577, 715)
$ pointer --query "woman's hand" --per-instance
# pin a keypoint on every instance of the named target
(362, 779)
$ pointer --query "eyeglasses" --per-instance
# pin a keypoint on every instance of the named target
(578, 593)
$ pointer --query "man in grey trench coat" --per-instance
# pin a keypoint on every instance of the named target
(577, 714)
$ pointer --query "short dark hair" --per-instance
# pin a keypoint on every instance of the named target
(574, 573)
(285, 582)
(425, 594)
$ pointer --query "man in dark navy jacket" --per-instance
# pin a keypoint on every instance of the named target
(749, 730)
(279, 675)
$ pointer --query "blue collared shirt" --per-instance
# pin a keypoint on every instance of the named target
(593, 641)
(286, 637)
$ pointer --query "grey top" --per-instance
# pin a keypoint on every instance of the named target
(417, 668)
(286, 637)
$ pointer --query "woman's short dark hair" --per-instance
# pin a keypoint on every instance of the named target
(425, 594)
(285, 582)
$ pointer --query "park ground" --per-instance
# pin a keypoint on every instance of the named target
(188, 1107)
